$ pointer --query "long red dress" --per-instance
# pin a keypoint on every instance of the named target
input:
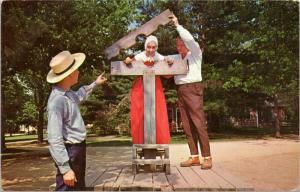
(137, 113)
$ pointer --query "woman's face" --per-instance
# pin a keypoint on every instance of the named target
(151, 48)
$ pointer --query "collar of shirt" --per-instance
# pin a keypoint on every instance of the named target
(69, 94)
(187, 55)
(58, 90)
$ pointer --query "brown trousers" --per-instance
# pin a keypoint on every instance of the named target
(190, 102)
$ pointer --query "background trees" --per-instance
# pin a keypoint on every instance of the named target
(34, 31)
(250, 54)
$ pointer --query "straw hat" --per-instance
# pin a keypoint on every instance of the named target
(63, 64)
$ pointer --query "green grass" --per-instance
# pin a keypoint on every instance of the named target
(15, 138)
(175, 139)
(232, 134)
(178, 139)
(125, 140)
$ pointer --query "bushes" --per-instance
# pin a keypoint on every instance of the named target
(116, 120)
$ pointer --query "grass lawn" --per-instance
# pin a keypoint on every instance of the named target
(178, 138)
(19, 137)
(126, 140)
(175, 139)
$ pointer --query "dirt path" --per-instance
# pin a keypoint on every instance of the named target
(266, 164)
(271, 164)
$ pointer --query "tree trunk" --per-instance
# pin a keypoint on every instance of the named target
(40, 125)
(3, 127)
(39, 98)
(277, 120)
(3, 146)
(277, 127)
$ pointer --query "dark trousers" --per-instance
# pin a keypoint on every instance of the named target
(77, 162)
(190, 102)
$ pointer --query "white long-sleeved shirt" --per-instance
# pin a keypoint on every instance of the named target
(194, 58)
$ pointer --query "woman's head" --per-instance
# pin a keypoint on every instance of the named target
(151, 45)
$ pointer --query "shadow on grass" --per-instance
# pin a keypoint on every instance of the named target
(8, 151)
(24, 154)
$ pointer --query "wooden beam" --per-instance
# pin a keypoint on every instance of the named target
(138, 68)
(151, 161)
(146, 29)
(149, 107)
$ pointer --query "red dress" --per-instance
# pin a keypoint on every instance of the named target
(137, 113)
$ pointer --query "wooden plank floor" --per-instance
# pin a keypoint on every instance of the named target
(180, 179)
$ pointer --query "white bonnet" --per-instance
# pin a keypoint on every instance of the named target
(150, 39)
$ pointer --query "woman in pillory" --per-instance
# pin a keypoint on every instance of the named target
(149, 57)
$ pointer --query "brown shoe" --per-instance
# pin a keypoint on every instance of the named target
(192, 161)
(207, 163)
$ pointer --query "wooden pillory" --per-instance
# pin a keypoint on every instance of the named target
(148, 154)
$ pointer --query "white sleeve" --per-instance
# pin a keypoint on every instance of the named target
(159, 57)
(189, 41)
(140, 56)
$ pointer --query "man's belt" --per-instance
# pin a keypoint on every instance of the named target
(69, 143)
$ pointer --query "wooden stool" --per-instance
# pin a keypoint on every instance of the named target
(150, 156)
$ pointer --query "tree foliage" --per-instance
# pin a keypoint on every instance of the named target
(250, 53)
(35, 31)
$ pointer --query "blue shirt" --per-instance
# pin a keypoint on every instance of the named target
(65, 123)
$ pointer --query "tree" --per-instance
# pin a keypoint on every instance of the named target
(14, 96)
(29, 114)
(277, 46)
(242, 42)
(35, 31)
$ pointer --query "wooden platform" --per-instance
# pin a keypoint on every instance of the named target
(180, 179)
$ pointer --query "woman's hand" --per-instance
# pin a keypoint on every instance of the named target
(169, 60)
(128, 60)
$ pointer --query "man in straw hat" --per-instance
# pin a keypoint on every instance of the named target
(66, 129)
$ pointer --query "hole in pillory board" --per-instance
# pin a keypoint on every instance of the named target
(141, 38)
